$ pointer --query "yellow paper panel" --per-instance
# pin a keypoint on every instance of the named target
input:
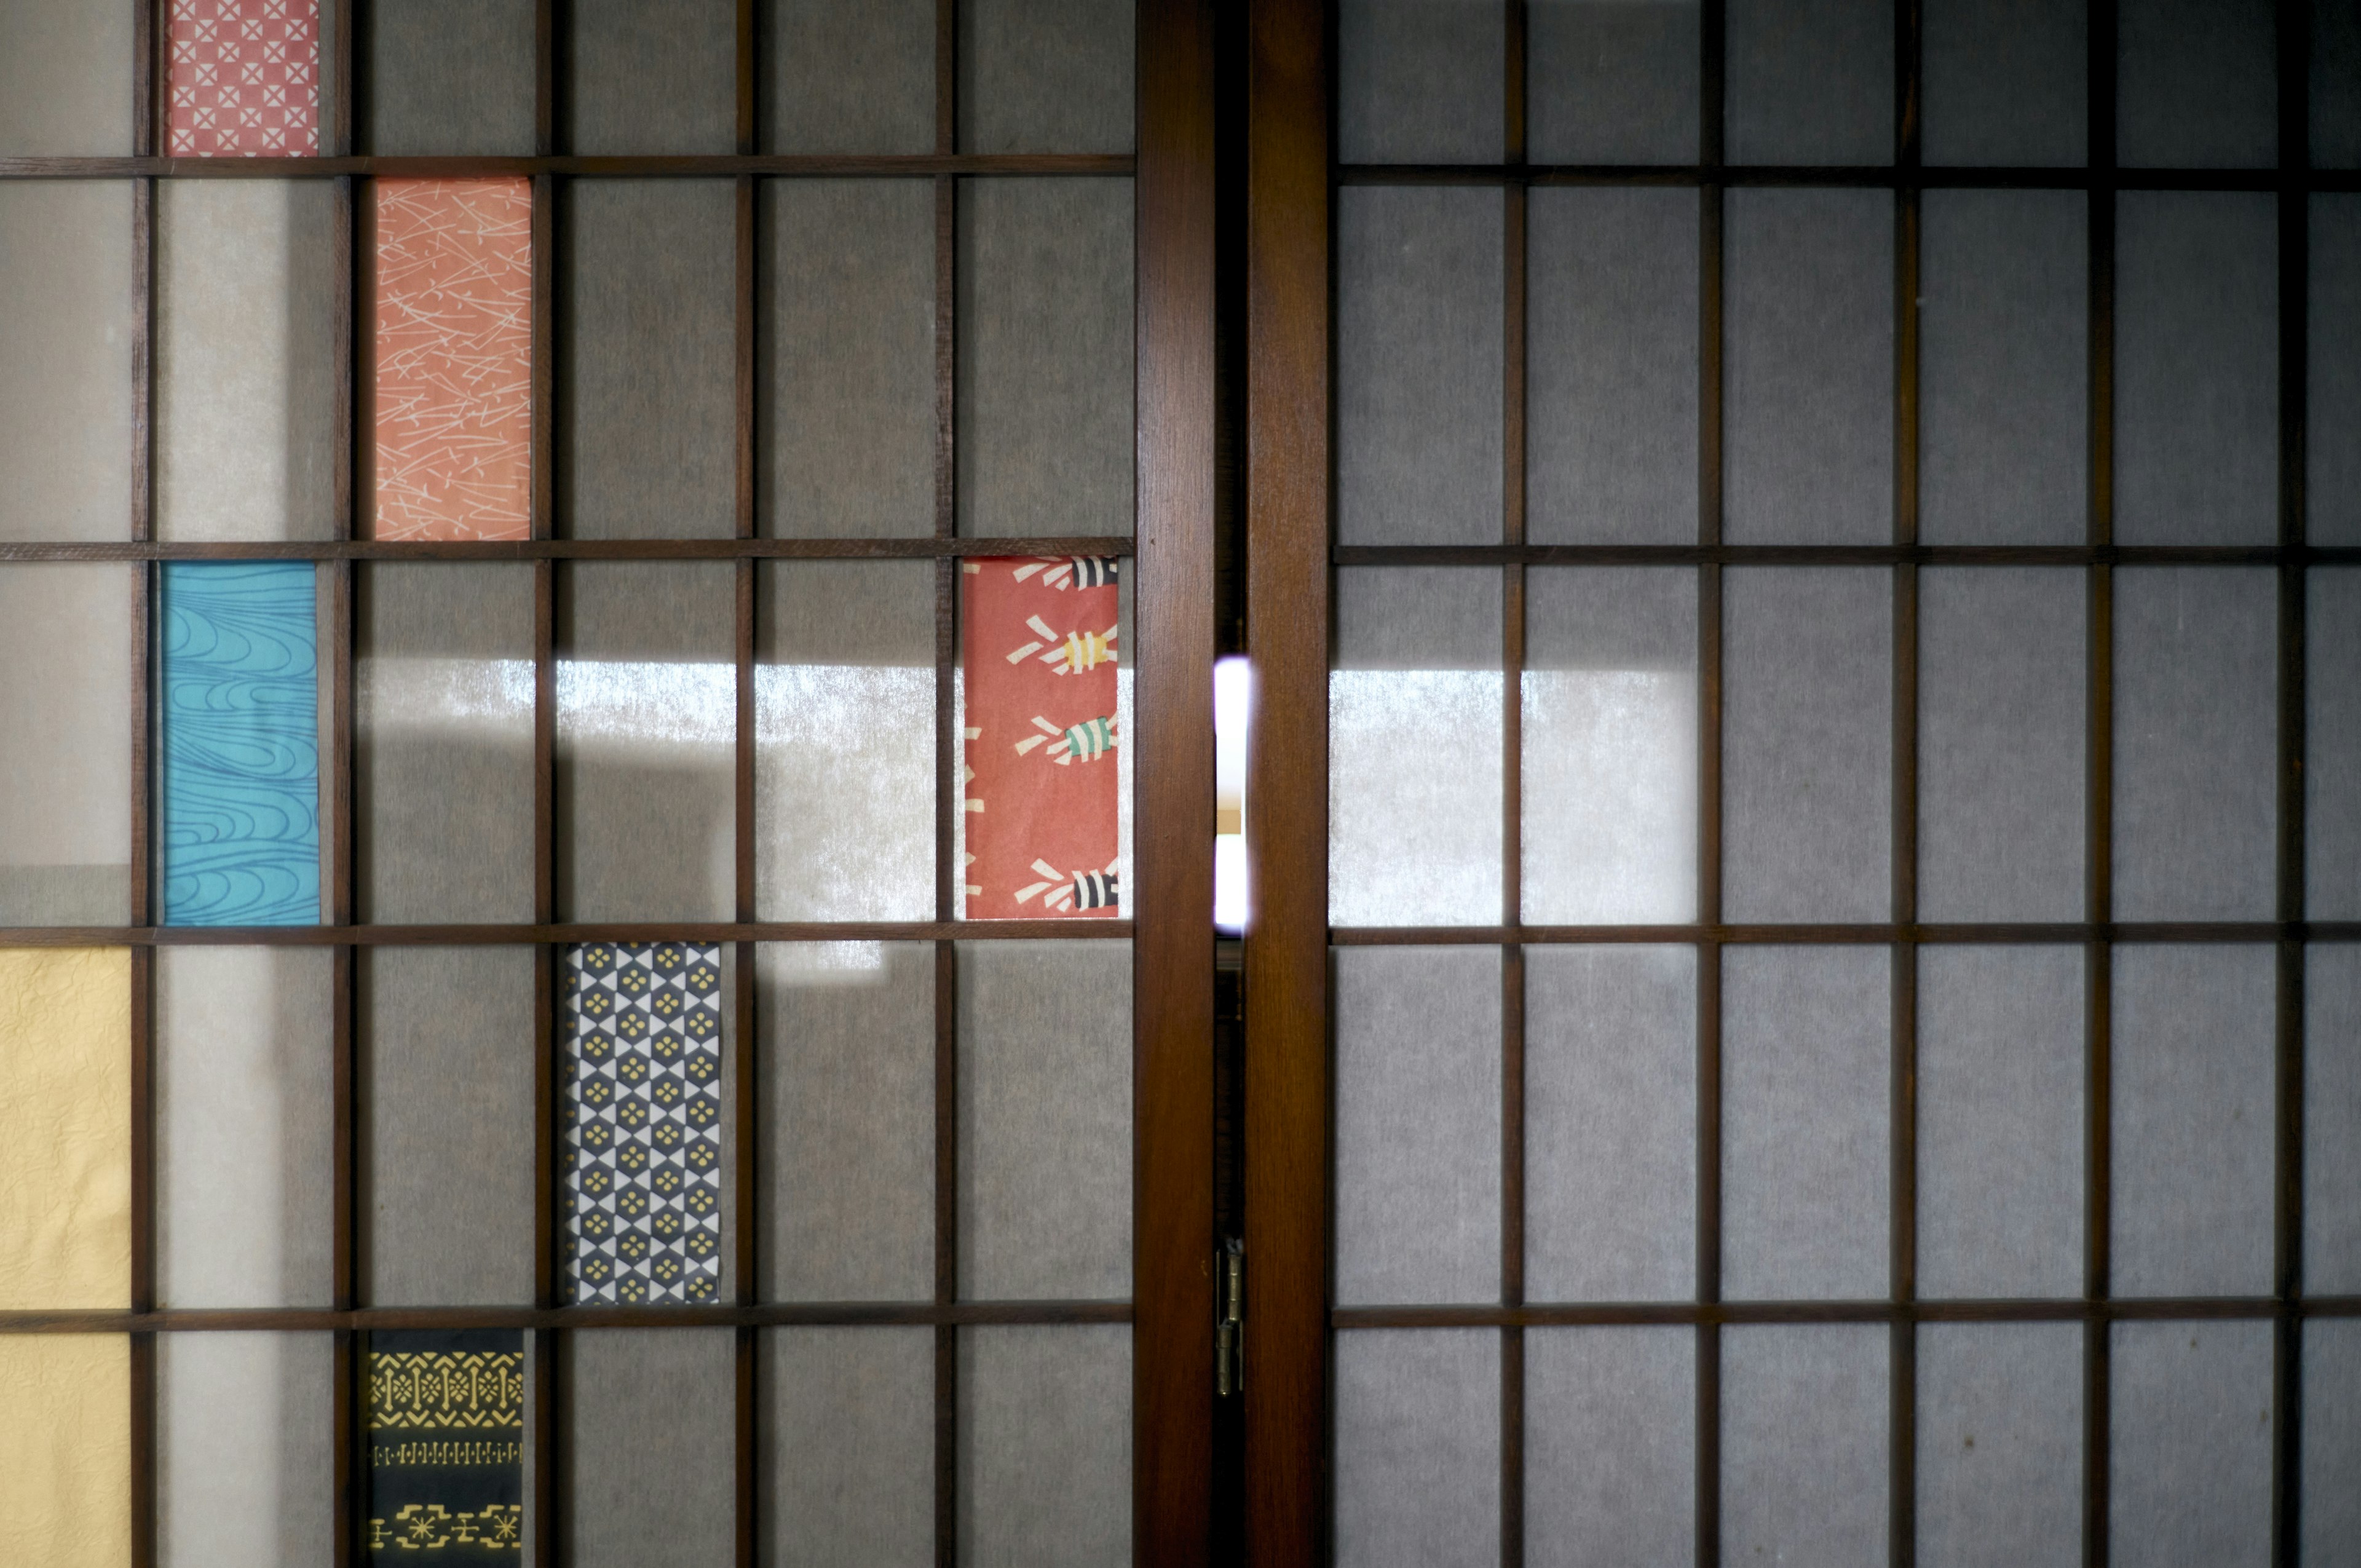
(65, 1450)
(65, 1128)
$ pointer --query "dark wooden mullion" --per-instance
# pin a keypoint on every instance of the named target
(2288, 1208)
(547, 1524)
(950, 793)
(1712, 43)
(148, 119)
(1875, 1310)
(2134, 933)
(2099, 800)
(1902, 1429)
(1288, 445)
(509, 551)
(1513, 205)
(746, 1202)
(1781, 554)
(770, 1314)
(588, 931)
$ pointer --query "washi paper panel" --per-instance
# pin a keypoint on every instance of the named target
(245, 79)
(1043, 797)
(65, 1129)
(643, 1044)
(450, 407)
(447, 1447)
(65, 1450)
(241, 741)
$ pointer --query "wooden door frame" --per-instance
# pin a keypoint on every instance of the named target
(1173, 935)
(1288, 511)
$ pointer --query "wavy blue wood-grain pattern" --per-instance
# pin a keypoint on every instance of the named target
(241, 763)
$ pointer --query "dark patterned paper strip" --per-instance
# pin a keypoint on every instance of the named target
(241, 733)
(451, 417)
(1044, 794)
(447, 1447)
(641, 1027)
(245, 78)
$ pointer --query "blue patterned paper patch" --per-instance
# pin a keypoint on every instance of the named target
(240, 738)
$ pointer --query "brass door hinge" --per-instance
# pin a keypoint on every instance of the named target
(1230, 1317)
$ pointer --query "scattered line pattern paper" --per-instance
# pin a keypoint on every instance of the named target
(451, 410)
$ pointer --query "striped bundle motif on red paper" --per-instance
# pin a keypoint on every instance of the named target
(1043, 792)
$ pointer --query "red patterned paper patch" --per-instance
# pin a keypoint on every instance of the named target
(452, 412)
(1043, 788)
(245, 77)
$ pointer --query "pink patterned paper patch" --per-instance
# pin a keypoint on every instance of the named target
(451, 411)
(245, 78)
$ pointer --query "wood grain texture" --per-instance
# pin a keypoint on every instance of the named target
(1172, 1357)
(1288, 529)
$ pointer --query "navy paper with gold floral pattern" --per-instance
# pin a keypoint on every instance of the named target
(446, 1448)
(642, 1028)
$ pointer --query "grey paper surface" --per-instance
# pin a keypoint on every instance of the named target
(1803, 1424)
(2189, 1446)
(1611, 1446)
(1418, 81)
(245, 1126)
(1417, 1125)
(646, 442)
(65, 360)
(1417, 365)
(2004, 83)
(848, 1417)
(1045, 1446)
(2000, 1120)
(1611, 359)
(1418, 1448)
(847, 1148)
(845, 437)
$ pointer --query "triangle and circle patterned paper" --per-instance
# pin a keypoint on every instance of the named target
(641, 1031)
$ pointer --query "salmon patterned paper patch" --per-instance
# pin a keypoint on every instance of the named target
(245, 79)
(451, 414)
(1044, 791)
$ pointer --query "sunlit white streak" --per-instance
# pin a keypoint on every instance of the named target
(826, 963)
(1414, 798)
(634, 701)
(1233, 711)
(845, 773)
(630, 704)
(1610, 794)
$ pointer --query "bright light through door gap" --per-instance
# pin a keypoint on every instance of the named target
(1233, 701)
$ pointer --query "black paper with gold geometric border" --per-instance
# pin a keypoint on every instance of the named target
(446, 1448)
(642, 1028)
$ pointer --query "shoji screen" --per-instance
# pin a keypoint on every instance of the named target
(580, 590)
(1839, 996)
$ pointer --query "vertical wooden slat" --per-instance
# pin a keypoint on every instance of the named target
(1287, 503)
(1514, 199)
(746, 1205)
(1712, 35)
(1172, 950)
(949, 795)
(2294, 356)
(148, 120)
(2099, 809)
(1902, 1423)
(745, 1197)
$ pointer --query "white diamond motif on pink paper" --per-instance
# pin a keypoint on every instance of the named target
(245, 77)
